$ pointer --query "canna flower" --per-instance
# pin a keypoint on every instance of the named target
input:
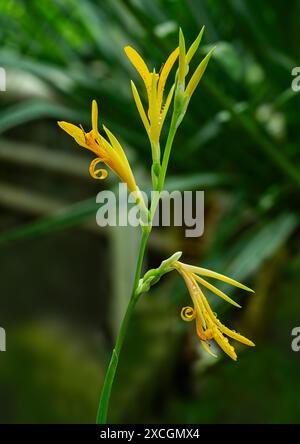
(208, 325)
(110, 153)
(155, 84)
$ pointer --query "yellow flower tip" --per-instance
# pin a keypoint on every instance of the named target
(74, 131)
(64, 125)
(127, 49)
(245, 288)
(139, 65)
(95, 116)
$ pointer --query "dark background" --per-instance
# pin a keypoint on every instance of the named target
(64, 282)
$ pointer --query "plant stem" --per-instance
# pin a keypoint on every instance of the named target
(111, 371)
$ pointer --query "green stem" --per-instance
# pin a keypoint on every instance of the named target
(111, 371)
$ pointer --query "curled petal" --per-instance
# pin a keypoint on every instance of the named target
(99, 173)
(188, 314)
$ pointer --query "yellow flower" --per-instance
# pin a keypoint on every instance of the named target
(111, 154)
(155, 85)
(208, 325)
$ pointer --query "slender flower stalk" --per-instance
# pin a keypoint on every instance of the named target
(208, 326)
(111, 153)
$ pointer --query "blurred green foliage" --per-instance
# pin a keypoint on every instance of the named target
(239, 142)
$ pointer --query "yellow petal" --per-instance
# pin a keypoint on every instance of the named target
(154, 112)
(196, 77)
(234, 335)
(117, 160)
(224, 344)
(115, 143)
(164, 75)
(194, 46)
(139, 106)
(140, 66)
(73, 130)
(95, 116)
(219, 276)
(216, 290)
